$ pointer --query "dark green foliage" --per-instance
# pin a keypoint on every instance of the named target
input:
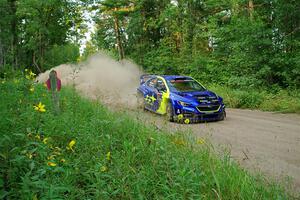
(30, 30)
(62, 54)
(287, 101)
(228, 43)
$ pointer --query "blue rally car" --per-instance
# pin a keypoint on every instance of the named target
(180, 98)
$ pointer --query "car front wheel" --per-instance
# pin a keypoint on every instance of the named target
(223, 116)
(170, 113)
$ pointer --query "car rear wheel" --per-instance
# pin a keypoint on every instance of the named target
(170, 113)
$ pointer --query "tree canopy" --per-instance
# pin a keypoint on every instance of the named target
(31, 30)
(239, 43)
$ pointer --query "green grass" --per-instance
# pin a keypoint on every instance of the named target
(282, 101)
(143, 163)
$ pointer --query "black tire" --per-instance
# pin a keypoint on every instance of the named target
(170, 113)
(223, 116)
(140, 101)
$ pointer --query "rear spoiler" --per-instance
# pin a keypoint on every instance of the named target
(145, 77)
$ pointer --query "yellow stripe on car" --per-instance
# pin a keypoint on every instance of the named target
(162, 109)
(150, 99)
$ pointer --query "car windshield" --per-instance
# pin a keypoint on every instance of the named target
(185, 85)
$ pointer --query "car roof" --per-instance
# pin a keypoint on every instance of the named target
(172, 77)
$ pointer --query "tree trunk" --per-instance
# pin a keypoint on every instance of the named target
(190, 38)
(35, 64)
(1, 54)
(118, 37)
(13, 28)
(41, 49)
(180, 19)
(250, 8)
(190, 31)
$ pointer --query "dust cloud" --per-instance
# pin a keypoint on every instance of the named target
(102, 78)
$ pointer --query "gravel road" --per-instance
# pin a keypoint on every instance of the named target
(263, 142)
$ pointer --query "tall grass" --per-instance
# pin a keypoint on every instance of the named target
(88, 152)
(282, 101)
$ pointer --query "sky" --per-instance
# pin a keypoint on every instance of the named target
(91, 28)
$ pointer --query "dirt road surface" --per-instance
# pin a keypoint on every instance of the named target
(263, 142)
(259, 141)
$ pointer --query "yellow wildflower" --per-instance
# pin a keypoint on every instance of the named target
(180, 142)
(51, 157)
(103, 169)
(57, 149)
(31, 89)
(40, 107)
(57, 153)
(187, 121)
(62, 160)
(51, 164)
(108, 156)
(200, 141)
(45, 140)
(38, 137)
(29, 155)
(31, 74)
(71, 145)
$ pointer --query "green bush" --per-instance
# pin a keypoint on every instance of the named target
(278, 100)
(283, 101)
(62, 54)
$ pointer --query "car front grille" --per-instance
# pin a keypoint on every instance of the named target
(209, 108)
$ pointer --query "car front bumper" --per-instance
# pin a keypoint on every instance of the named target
(192, 115)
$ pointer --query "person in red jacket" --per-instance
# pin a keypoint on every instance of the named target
(58, 81)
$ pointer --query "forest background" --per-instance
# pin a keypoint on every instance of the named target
(246, 50)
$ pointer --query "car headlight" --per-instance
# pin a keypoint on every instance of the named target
(184, 103)
(220, 98)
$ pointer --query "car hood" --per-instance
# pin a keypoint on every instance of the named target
(197, 96)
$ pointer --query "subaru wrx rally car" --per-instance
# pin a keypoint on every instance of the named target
(180, 98)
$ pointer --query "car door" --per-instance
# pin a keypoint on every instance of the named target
(162, 96)
(151, 94)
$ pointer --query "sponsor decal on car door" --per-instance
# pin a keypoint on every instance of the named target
(150, 97)
(163, 96)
